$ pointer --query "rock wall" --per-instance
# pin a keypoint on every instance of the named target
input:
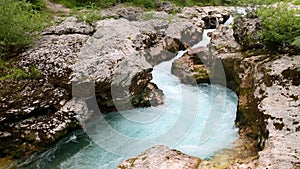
(268, 89)
(268, 102)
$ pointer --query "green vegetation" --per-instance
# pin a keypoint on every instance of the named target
(296, 2)
(281, 27)
(8, 71)
(19, 24)
(89, 17)
(37, 4)
(148, 15)
(150, 4)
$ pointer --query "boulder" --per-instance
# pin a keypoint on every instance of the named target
(167, 6)
(190, 68)
(161, 157)
(246, 33)
(70, 25)
(223, 41)
(121, 11)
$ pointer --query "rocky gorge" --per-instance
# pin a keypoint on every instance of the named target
(113, 59)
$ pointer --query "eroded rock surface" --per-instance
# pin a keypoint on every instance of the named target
(268, 101)
(191, 68)
(161, 157)
(268, 89)
(115, 56)
(32, 110)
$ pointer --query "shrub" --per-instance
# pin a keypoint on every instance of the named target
(86, 3)
(297, 2)
(19, 22)
(37, 4)
(89, 17)
(281, 27)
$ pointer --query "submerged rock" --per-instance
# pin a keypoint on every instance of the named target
(161, 157)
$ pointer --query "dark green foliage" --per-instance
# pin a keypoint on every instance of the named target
(19, 23)
(145, 3)
(105, 3)
(37, 4)
(254, 2)
(87, 3)
(281, 27)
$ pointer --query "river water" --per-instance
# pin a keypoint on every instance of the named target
(197, 120)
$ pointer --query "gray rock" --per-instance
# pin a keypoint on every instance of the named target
(168, 7)
(246, 33)
(70, 25)
(223, 41)
(30, 108)
(161, 157)
(190, 68)
(206, 17)
(121, 11)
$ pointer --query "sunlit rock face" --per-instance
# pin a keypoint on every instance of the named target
(161, 157)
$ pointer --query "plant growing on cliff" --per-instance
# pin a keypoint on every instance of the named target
(281, 27)
(148, 16)
(19, 22)
(89, 17)
(9, 71)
